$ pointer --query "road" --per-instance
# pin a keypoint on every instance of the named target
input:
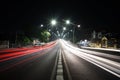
(58, 60)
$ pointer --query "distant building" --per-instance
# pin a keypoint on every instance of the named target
(4, 44)
(104, 40)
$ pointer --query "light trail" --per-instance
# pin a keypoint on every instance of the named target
(8, 56)
(13, 50)
(31, 55)
(32, 58)
(117, 50)
(110, 66)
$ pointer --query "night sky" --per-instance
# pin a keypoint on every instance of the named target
(92, 14)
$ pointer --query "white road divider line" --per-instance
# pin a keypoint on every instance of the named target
(59, 75)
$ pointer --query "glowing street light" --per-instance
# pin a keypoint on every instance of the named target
(53, 22)
(64, 28)
(67, 21)
(78, 26)
(41, 25)
(74, 33)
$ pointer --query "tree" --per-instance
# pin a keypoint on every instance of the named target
(45, 36)
(26, 41)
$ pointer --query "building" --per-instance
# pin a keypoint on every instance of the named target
(103, 40)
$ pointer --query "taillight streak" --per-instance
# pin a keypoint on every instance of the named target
(9, 56)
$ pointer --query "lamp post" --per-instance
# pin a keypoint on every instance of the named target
(74, 33)
(53, 22)
(68, 22)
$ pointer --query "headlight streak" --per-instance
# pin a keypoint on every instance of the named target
(104, 49)
(106, 64)
(109, 56)
(102, 54)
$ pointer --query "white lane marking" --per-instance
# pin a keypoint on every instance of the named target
(60, 71)
(59, 63)
(60, 66)
(59, 75)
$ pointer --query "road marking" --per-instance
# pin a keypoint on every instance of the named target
(59, 75)
(59, 71)
(60, 66)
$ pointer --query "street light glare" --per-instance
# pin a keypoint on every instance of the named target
(67, 21)
(78, 25)
(53, 22)
(64, 28)
(41, 25)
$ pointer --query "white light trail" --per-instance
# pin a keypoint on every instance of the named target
(105, 63)
(117, 50)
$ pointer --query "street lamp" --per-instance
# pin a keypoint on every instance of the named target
(78, 26)
(67, 21)
(74, 32)
(64, 28)
(41, 25)
(53, 22)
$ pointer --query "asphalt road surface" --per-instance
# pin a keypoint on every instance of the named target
(58, 60)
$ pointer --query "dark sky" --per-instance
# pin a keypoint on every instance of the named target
(94, 14)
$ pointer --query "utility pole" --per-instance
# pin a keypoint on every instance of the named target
(73, 34)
